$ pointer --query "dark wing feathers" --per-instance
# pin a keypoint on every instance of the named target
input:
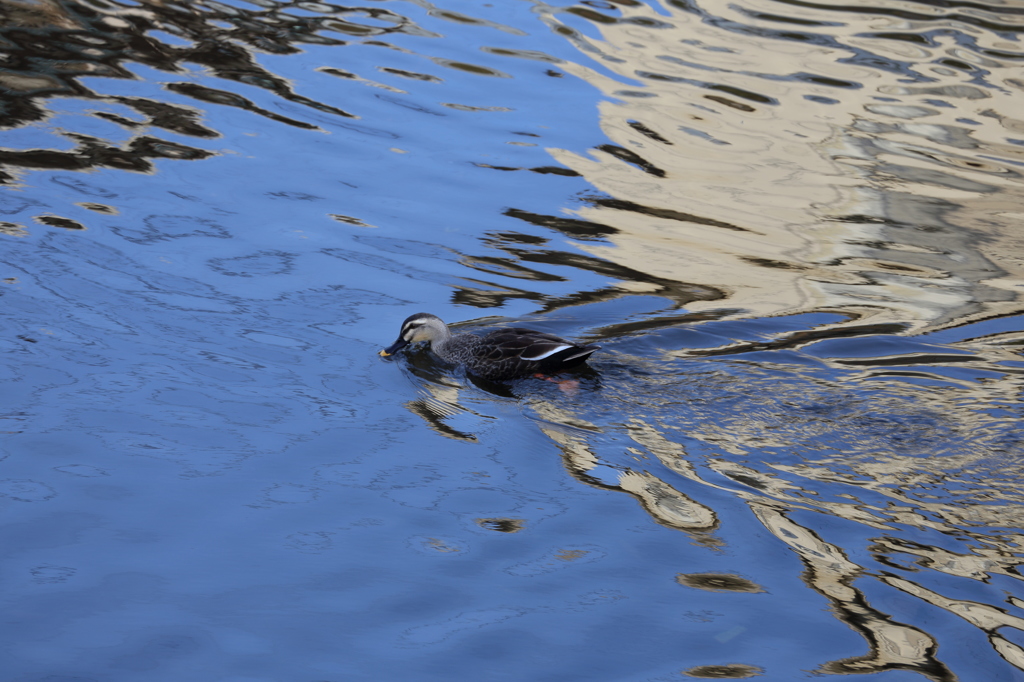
(518, 343)
(510, 352)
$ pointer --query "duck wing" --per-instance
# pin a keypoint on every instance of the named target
(521, 344)
(529, 346)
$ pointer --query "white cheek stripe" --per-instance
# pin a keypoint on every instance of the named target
(557, 349)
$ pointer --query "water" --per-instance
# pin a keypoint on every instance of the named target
(792, 226)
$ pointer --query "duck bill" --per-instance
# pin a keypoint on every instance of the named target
(394, 348)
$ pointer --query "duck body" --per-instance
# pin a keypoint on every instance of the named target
(497, 355)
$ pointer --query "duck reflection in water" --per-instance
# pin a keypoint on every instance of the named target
(498, 355)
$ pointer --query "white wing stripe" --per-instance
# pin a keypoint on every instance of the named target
(556, 349)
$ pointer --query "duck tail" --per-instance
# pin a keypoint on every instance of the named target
(579, 353)
(569, 357)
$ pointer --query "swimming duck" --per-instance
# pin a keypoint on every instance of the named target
(497, 355)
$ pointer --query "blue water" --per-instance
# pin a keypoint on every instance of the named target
(796, 455)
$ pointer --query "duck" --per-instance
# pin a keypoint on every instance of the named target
(498, 355)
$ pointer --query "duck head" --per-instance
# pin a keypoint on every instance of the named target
(416, 328)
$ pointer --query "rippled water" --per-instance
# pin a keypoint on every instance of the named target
(793, 227)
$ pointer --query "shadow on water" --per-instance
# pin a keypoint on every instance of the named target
(793, 227)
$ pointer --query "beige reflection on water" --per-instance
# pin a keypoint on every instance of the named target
(828, 569)
(766, 167)
(892, 200)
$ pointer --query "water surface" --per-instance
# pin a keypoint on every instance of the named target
(792, 227)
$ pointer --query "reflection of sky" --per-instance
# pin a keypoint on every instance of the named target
(208, 473)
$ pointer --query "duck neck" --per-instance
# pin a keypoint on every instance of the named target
(441, 339)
